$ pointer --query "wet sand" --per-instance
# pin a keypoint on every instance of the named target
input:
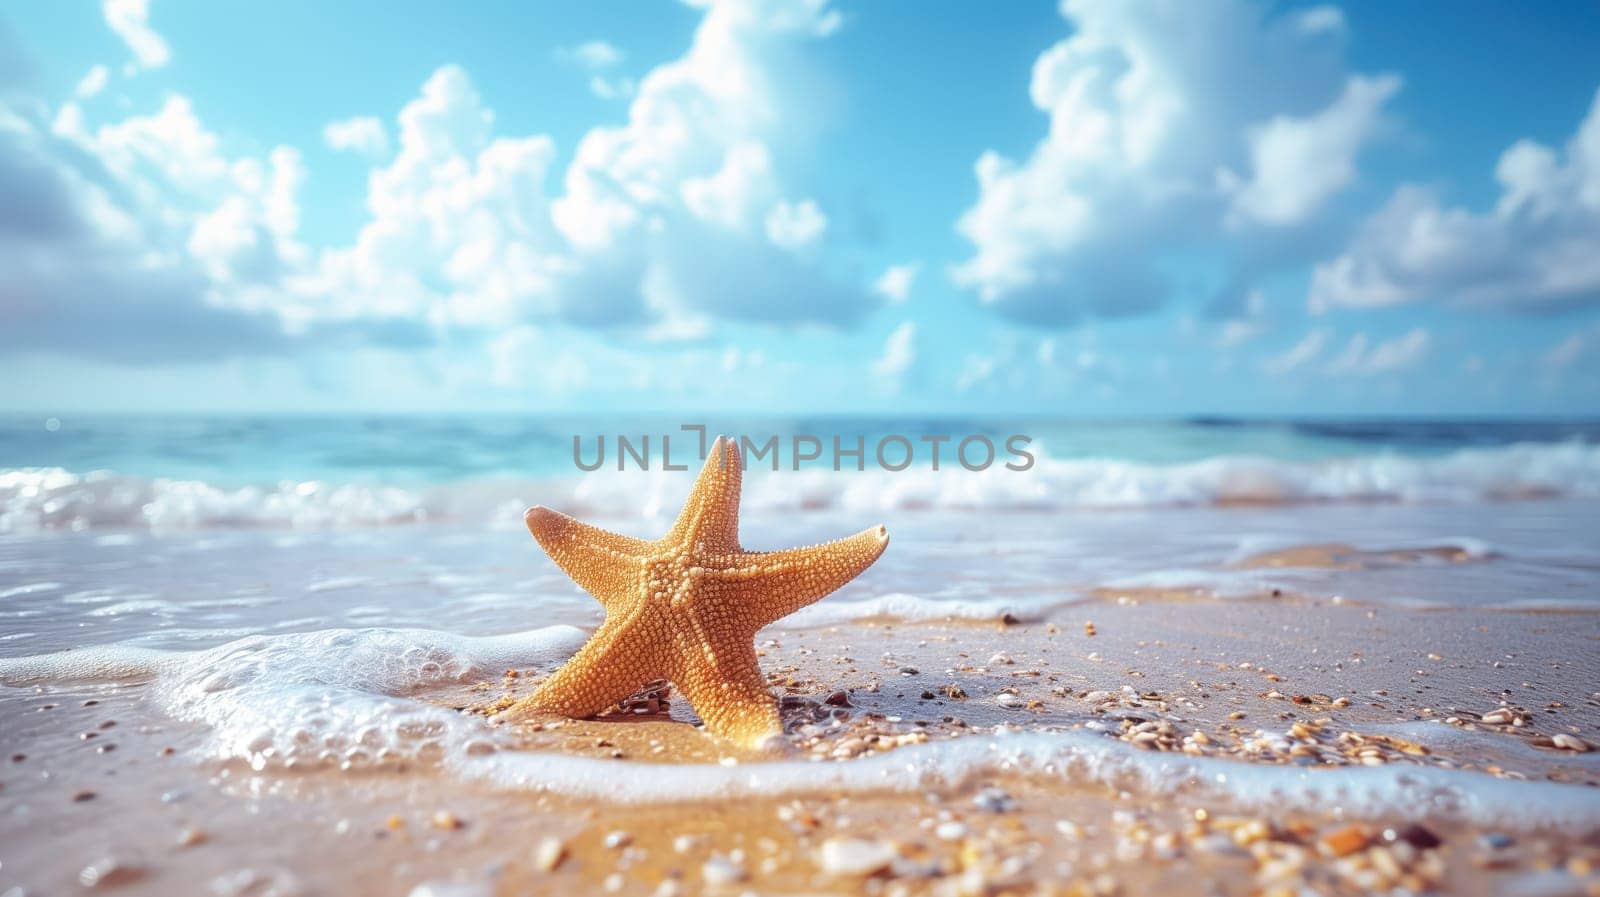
(98, 791)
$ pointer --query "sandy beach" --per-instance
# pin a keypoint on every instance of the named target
(1216, 732)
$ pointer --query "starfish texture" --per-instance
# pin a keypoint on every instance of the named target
(686, 607)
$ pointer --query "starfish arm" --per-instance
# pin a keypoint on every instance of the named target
(710, 518)
(768, 585)
(602, 563)
(610, 666)
(730, 695)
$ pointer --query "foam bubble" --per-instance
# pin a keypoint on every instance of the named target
(340, 697)
(907, 607)
(1079, 757)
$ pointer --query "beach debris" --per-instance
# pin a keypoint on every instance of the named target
(696, 579)
(618, 839)
(1001, 659)
(189, 836)
(446, 820)
(248, 882)
(1343, 841)
(1570, 742)
(856, 856)
(549, 853)
(720, 871)
(994, 800)
(690, 843)
(1009, 700)
(452, 888)
(110, 871)
(951, 830)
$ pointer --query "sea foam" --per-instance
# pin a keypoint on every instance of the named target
(52, 498)
(349, 699)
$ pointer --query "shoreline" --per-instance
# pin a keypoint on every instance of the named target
(892, 786)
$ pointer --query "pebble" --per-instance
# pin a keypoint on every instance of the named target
(190, 836)
(994, 800)
(686, 843)
(1570, 742)
(719, 871)
(444, 819)
(549, 854)
(446, 888)
(618, 839)
(951, 831)
(1007, 699)
(854, 856)
(1496, 841)
(1001, 659)
(1344, 841)
(109, 872)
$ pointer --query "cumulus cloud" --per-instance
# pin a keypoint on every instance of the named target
(1297, 163)
(1152, 109)
(363, 134)
(130, 19)
(92, 82)
(676, 216)
(896, 282)
(1534, 250)
(675, 219)
(93, 237)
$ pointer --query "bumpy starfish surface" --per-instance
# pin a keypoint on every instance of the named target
(687, 607)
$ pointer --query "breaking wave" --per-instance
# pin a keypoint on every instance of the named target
(33, 499)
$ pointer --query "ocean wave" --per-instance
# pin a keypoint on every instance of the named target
(33, 499)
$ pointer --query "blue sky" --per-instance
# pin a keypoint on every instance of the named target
(1102, 208)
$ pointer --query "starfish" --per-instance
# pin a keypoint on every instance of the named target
(687, 606)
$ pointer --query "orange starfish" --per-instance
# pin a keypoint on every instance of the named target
(687, 607)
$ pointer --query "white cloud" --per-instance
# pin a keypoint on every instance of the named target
(1361, 357)
(362, 134)
(612, 88)
(1146, 104)
(92, 82)
(1572, 349)
(1298, 163)
(677, 217)
(139, 239)
(595, 54)
(896, 282)
(795, 226)
(1534, 250)
(1301, 354)
(130, 19)
(899, 354)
